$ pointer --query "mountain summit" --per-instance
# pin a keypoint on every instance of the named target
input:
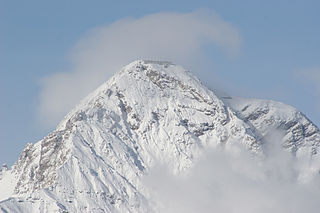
(148, 112)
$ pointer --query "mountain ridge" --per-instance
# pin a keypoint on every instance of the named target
(148, 112)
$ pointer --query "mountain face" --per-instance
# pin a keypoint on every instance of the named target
(149, 112)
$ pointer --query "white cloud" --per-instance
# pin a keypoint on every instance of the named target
(177, 37)
(228, 181)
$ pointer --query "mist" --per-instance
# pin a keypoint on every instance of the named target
(235, 180)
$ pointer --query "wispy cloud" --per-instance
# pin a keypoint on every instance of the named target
(177, 37)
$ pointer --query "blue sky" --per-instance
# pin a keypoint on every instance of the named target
(277, 54)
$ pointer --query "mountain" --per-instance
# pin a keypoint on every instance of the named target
(147, 113)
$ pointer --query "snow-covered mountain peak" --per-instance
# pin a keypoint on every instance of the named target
(149, 112)
(146, 86)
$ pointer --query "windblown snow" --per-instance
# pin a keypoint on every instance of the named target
(149, 113)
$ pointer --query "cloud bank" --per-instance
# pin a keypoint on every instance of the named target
(235, 181)
(178, 37)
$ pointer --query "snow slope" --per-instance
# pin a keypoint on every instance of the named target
(148, 112)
